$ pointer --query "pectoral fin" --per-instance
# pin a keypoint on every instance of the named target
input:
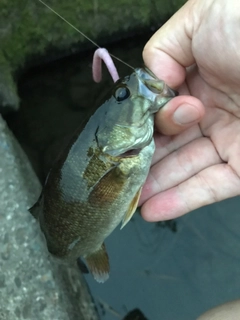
(132, 208)
(98, 264)
(108, 188)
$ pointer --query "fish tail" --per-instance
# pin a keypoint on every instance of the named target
(98, 264)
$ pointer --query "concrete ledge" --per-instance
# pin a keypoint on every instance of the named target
(31, 286)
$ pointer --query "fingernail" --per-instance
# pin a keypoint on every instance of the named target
(186, 114)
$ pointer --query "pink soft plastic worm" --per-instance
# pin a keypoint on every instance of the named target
(99, 55)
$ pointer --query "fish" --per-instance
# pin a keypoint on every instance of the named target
(96, 182)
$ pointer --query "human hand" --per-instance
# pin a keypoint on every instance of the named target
(198, 52)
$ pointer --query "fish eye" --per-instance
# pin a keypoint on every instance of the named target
(121, 93)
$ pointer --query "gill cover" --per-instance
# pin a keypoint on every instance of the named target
(128, 122)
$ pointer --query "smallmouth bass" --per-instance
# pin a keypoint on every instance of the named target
(97, 181)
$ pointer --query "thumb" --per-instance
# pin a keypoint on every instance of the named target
(179, 114)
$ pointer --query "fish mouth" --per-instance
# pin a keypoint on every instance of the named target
(154, 89)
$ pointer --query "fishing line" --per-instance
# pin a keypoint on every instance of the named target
(85, 36)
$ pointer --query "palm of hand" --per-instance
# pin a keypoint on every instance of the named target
(202, 164)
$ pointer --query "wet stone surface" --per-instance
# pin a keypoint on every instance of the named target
(31, 285)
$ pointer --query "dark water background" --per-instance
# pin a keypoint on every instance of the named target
(168, 275)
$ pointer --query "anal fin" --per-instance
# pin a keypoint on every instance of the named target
(98, 264)
(132, 208)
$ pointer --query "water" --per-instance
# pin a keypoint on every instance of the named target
(174, 275)
(168, 275)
